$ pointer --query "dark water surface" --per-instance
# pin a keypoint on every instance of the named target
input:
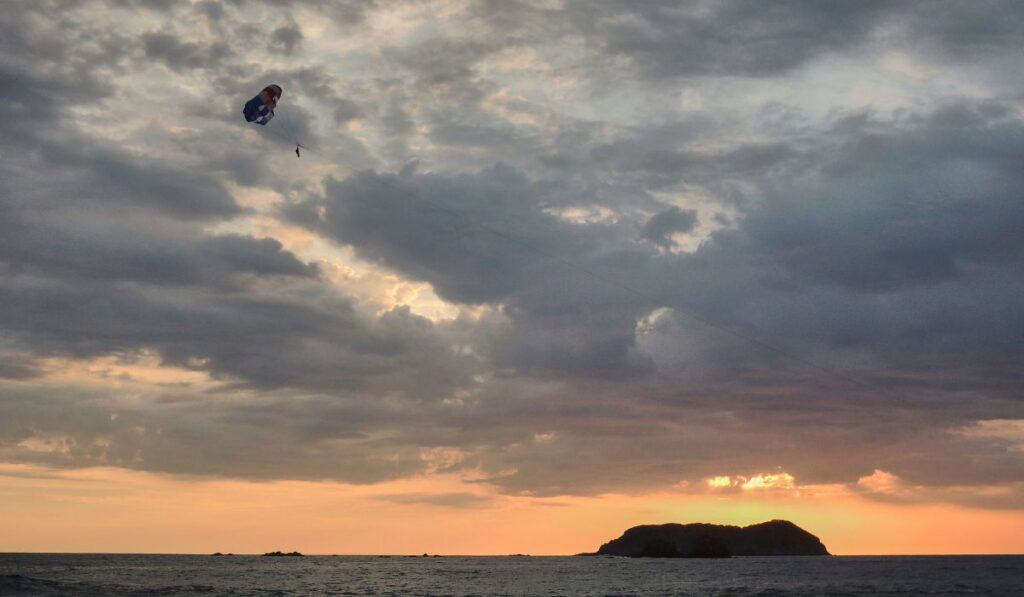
(100, 574)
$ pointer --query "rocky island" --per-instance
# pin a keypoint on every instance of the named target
(281, 554)
(700, 540)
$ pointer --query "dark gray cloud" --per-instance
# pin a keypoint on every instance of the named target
(662, 40)
(263, 341)
(288, 36)
(730, 38)
(118, 178)
(662, 225)
(159, 5)
(17, 367)
(178, 55)
(960, 32)
(934, 196)
(486, 238)
(225, 434)
(906, 300)
(212, 9)
(141, 253)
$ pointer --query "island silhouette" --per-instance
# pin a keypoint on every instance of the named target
(702, 540)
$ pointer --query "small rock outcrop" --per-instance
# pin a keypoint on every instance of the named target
(278, 554)
(699, 540)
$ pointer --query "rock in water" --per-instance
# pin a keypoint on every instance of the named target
(699, 540)
(660, 548)
(707, 546)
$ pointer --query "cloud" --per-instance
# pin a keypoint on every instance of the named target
(178, 55)
(446, 500)
(883, 483)
(660, 41)
(780, 482)
(1010, 431)
(451, 232)
(525, 167)
(288, 37)
(961, 34)
(887, 487)
(18, 367)
(731, 38)
(662, 225)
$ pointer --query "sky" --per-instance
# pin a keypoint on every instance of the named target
(546, 270)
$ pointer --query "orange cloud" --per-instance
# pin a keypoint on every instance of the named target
(759, 482)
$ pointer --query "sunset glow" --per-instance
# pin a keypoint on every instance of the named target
(542, 271)
(111, 510)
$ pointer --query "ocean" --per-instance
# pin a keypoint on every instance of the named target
(123, 574)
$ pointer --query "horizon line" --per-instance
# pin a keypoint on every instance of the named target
(485, 555)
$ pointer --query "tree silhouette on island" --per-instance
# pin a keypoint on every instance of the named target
(701, 540)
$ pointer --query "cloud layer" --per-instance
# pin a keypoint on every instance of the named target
(557, 248)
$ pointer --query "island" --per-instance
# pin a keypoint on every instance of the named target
(701, 540)
(280, 554)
